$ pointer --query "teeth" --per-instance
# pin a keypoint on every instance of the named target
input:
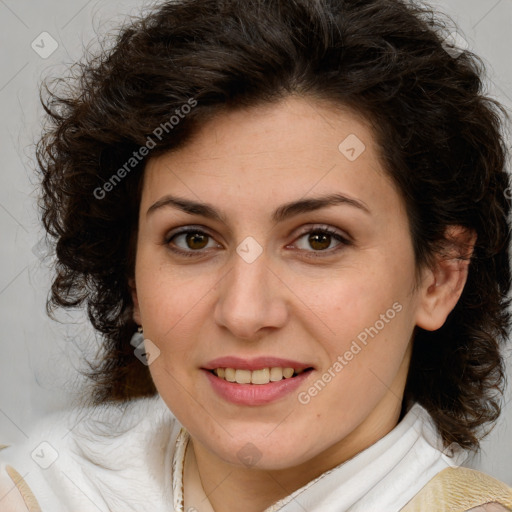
(229, 375)
(263, 376)
(287, 373)
(243, 376)
(260, 376)
(276, 374)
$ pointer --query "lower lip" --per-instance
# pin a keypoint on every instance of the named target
(255, 394)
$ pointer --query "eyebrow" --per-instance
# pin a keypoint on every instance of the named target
(281, 214)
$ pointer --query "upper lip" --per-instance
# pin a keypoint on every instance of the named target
(257, 363)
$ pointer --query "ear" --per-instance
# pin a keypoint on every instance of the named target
(442, 285)
(136, 310)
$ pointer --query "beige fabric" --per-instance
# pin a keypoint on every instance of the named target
(15, 494)
(10, 498)
(195, 497)
(27, 495)
(490, 507)
(178, 468)
(189, 494)
(459, 490)
(452, 490)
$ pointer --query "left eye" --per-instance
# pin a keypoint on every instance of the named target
(320, 239)
(194, 239)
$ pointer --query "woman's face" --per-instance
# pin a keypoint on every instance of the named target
(258, 283)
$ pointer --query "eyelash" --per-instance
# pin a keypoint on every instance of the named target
(316, 230)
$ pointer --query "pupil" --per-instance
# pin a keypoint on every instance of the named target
(314, 239)
(196, 237)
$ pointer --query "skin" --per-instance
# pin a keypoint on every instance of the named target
(284, 304)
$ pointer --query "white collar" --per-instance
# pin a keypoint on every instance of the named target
(384, 476)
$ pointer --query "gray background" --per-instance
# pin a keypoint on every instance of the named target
(39, 357)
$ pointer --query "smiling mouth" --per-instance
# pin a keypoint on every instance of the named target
(258, 377)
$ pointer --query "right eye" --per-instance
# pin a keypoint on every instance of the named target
(193, 242)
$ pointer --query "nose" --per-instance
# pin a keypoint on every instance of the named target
(251, 299)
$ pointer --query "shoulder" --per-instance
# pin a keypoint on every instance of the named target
(88, 454)
(460, 489)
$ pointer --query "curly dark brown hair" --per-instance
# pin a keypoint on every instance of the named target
(440, 137)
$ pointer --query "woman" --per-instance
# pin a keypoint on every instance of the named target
(289, 222)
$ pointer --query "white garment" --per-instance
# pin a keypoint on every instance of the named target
(121, 459)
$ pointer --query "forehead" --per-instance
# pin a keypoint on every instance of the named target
(274, 153)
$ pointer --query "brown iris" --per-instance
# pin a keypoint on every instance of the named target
(196, 238)
(315, 239)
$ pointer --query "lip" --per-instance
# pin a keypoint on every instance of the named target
(254, 394)
(257, 363)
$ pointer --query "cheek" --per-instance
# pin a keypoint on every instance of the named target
(164, 301)
(353, 300)
(370, 320)
(360, 374)
(176, 306)
(159, 284)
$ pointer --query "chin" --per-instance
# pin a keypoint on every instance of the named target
(262, 453)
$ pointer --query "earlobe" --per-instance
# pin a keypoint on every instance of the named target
(443, 284)
(135, 300)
